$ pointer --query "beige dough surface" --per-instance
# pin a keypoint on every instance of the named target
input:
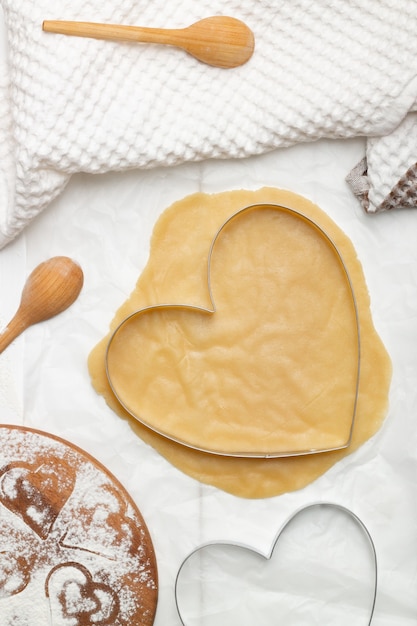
(257, 350)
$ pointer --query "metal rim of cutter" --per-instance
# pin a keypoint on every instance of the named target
(243, 454)
(320, 504)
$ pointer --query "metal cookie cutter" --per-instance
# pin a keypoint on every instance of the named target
(196, 602)
(112, 366)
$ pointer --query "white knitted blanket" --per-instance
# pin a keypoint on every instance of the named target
(321, 68)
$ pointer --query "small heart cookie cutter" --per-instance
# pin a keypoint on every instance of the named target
(309, 507)
(170, 306)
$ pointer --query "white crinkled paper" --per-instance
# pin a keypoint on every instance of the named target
(68, 104)
(105, 223)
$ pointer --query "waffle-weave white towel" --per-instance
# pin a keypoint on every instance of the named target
(321, 68)
(386, 178)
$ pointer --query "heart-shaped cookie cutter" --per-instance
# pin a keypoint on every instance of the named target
(170, 306)
(268, 556)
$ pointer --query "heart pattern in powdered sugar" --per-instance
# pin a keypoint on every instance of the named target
(37, 493)
(14, 573)
(105, 575)
(76, 599)
(102, 526)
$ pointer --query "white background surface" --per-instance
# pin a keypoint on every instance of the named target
(105, 223)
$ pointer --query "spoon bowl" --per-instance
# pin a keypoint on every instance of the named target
(220, 41)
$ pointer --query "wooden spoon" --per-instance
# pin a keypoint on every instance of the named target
(219, 41)
(50, 289)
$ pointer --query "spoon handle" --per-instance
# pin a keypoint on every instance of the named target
(116, 32)
(14, 328)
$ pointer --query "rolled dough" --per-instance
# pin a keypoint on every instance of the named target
(289, 375)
